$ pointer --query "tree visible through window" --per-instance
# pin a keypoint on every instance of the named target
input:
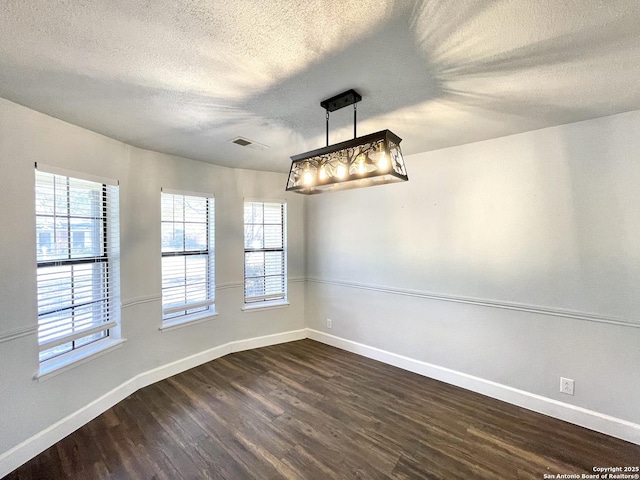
(188, 257)
(264, 251)
(77, 240)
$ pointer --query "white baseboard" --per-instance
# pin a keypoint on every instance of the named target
(31, 447)
(268, 340)
(569, 413)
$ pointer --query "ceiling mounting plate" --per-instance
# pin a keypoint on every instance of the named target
(342, 100)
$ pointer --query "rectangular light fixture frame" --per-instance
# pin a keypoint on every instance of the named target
(374, 159)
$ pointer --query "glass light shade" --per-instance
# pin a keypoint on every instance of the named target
(373, 159)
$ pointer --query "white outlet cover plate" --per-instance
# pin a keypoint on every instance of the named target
(567, 385)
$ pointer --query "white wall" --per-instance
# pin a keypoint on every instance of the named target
(28, 407)
(502, 259)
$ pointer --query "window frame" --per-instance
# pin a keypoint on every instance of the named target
(207, 307)
(266, 301)
(104, 280)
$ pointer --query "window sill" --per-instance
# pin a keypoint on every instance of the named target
(51, 368)
(174, 324)
(253, 307)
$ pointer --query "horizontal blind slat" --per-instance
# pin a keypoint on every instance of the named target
(187, 244)
(46, 345)
(266, 297)
(77, 249)
(264, 250)
(188, 306)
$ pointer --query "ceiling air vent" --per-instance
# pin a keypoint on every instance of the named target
(245, 142)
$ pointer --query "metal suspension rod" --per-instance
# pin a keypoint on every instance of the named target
(327, 127)
(355, 113)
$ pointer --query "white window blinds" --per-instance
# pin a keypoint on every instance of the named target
(77, 238)
(188, 258)
(264, 251)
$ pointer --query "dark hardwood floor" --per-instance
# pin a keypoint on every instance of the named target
(307, 410)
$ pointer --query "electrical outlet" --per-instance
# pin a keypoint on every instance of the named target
(329, 323)
(566, 385)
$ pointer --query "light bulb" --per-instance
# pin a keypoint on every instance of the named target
(307, 178)
(342, 171)
(323, 173)
(361, 167)
(383, 162)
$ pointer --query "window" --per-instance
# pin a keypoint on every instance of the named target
(77, 240)
(264, 252)
(188, 287)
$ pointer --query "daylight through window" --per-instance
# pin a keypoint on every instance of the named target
(188, 258)
(77, 240)
(264, 251)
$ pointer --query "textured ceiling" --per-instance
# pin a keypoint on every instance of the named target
(186, 77)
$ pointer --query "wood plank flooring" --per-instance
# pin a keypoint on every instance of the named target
(304, 410)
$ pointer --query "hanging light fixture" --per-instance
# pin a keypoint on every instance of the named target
(373, 159)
